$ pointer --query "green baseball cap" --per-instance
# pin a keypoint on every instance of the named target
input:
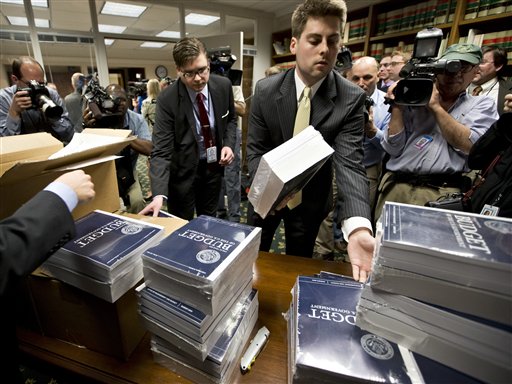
(467, 52)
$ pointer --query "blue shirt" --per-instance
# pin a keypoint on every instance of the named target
(208, 104)
(137, 124)
(65, 192)
(62, 127)
(421, 148)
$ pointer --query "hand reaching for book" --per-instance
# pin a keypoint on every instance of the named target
(361, 245)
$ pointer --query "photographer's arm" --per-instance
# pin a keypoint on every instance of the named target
(11, 107)
(142, 146)
(455, 133)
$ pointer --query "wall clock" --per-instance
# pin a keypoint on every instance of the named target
(161, 71)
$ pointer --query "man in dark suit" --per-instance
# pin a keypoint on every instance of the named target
(337, 112)
(192, 138)
(29, 237)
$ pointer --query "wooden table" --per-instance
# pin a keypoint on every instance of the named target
(274, 278)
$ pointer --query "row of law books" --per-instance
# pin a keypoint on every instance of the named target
(440, 286)
(481, 8)
(104, 257)
(325, 344)
(424, 14)
(197, 299)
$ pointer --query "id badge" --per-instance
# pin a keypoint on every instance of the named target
(423, 141)
(490, 210)
(211, 154)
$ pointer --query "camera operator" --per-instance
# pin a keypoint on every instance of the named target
(129, 187)
(429, 145)
(30, 106)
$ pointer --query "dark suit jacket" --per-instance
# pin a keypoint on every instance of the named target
(505, 87)
(337, 112)
(27, 238)
(175, 156)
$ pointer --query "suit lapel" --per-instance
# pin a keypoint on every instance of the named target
(322, 104)
(188, 107)
(287, 105)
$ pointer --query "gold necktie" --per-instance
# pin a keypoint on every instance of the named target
(477, 90)
(303, 112)
(301, 122)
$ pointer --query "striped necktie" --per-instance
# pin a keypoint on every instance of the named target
(301, 122)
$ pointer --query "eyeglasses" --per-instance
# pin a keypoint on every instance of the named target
(192, 74)
(385, 64)
(395, 63)
(467, 67)
(27, 83)
(487, 62)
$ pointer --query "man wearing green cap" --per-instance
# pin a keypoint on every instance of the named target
(429, 145)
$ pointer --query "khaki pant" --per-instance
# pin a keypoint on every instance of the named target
(389, 190)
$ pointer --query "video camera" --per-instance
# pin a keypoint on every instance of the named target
(104, 108)
(343, 60)
(221, 61)
(40, 97)
(419, 73)
(137, 88)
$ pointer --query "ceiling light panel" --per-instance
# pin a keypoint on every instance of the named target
(105, 28)
(22, 21)
(152, 44)
(200, 19)
(122, 9)
(35, 3)
(169, 34)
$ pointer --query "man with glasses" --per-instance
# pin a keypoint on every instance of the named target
(193, 137)
(19, 115)
(488, 80)
(429, 145)
(384, 80)
(398, 60)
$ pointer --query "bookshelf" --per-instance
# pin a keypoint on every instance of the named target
(388, 26)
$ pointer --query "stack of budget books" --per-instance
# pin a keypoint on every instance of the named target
(197, 290)
(325, 345)
(104, 258)
(223, 360)
(441, 287)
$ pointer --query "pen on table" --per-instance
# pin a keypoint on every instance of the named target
(254, 349)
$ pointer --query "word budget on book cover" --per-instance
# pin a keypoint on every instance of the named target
(90, 237)
(332, 314)
(470, 233)
(212, 241)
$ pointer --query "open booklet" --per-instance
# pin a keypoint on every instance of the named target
(287, 169)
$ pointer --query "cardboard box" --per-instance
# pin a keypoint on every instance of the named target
(68, 313)
(51, 307)
(22, 177)
(71, 314)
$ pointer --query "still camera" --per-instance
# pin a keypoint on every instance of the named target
(40, 97)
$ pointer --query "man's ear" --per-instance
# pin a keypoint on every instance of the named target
(14, 79)
(293, 45)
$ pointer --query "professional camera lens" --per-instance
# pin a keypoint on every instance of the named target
(49, 108)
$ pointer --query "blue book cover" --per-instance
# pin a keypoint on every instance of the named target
(478, 239)
(204, 247)
(106, 240)
(434, 372)
(328, 343)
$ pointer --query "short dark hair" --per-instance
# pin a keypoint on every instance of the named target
(499, 56)
(186, 50)
(317, 8)
(18, 62)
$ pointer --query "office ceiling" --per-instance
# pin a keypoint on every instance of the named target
(70, 25)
